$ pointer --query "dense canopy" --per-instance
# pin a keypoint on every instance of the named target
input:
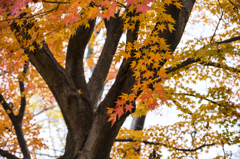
(133, 50)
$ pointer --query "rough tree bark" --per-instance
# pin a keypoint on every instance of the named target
(90, 135)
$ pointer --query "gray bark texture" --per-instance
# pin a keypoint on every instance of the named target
(90, 135)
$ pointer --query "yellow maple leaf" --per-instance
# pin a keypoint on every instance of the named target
(9, 111)
(31, 48)
(79, 91)
(170, 27)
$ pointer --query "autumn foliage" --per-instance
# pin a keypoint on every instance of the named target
(136, 51)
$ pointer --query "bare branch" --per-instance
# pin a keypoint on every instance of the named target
(8, 155)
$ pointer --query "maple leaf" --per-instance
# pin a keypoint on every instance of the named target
(143, 7)
(119, 111)
(129, 107)
(148, 74)
(79, 92)
(110, 110)
(129, 2)
(73, 18)
(170, 27)
(31, 48)
(161, 27)
(112, 118)
(152, 105)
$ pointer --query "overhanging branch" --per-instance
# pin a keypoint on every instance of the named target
(192, 60)
(162, 144)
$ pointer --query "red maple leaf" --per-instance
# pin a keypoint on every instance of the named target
(129, 2)
(119, 111)
(153, 104)
(112, 118)
(142, 8)
(129, 107)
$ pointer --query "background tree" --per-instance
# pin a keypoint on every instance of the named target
(53, 36)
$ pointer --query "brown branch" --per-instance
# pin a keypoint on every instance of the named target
(217, 25)
(21, 140)
(229, 40)
(181, 17)
(187, 94)
(74, 60)
(162, 144)
(233, 4)
(96, 82)
(17, 126)
(7, 108)
(181, 108)
(123, 84)
(183, 64)
(22, 90)
(192, 60)
(8, 155)
(214, 64)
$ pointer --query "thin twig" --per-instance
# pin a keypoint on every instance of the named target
(154, 143)
(216, 27)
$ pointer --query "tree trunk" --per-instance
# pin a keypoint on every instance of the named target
(90, 135)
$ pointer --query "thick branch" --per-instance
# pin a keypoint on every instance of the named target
(75, 52)
(181, 17)
(123, 84)
(96, 83)
(21, 140)
(76, 111)
(7, 155)
(154, 143)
